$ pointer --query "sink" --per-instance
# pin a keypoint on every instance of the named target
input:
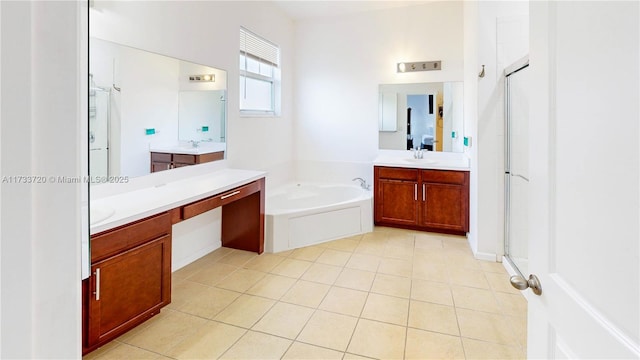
(420, 161)
(100, 213)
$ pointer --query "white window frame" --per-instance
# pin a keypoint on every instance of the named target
(265, 53)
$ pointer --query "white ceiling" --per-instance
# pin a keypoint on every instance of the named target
(304, 9)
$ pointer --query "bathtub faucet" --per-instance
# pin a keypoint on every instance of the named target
(363, 183)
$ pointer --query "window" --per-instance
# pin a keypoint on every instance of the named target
(259, 75)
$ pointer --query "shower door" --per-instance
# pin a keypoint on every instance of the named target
(517, 165)
(99, 111)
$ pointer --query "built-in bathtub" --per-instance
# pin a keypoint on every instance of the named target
(298, 215)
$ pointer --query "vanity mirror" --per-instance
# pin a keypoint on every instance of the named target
(142, 102)
(424, 115)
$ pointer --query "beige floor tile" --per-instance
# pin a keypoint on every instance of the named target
(431, 291)
(344, 301)
(212, 273)
(363, 262)
(469, 278)
(124, 351)
(391, 285)
(334, 257)
(254, 345)
(519, 326)
(395, 267)
(386, 309)
(209, 303)
(378, 340)
(398, 252)
(321, 273)
(493, 267)
(454, 241)
(403, 239)
(217, 254)
(328, 330)
(460, 260)
(348, 244)
(371, 247)
(104, 349)
(245, 311)
(475, 349)
(190, 269)
(309, 253)
(285, 320)
(209, 342)
(184, 291)
(291, 268)
(475, 299)
(429, 345)
(301, 351)
(238, 258)
(427, 241)
(430, 271)
(241, 280)
(265, 262)
(272, 286)
(348, 356)
(376, 236)
(355, 279)
(501, 283)
(430, 256)
(485, 326)
(512, 304)
(306, 293)
(433, 317)
(163, 335)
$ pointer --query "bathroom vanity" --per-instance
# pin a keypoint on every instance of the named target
(131, 249)
(430, 194)
(165, 160)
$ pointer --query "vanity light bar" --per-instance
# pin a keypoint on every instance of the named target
(419, 66)
(205, 77)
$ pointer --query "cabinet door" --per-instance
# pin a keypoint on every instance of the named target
(160, 166)
(396, 202)
(444, 207)
(128, 288)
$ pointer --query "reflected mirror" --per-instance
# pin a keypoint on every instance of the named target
(422, 115)
(142, 103)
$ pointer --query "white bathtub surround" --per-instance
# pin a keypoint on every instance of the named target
(430, 160)
(302, 214)
(333, 172)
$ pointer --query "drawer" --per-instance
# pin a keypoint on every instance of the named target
(114, 241)
(184, 159)
(160, 157)
(204, 205)
(397, 173)
(444, 176)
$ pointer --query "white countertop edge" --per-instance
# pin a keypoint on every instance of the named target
(433, 166)
(124, 217)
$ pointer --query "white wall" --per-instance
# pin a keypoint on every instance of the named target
(41, 223)
(339, 63)
(208, 33)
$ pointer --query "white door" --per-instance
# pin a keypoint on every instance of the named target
(584, 161)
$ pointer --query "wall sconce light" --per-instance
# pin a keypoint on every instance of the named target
(205, 77)
(419, 66)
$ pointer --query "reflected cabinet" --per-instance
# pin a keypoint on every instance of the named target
(422, 199)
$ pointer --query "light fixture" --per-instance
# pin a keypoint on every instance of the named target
(419, 66)
(205, 77)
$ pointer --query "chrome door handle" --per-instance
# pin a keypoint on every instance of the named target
(521, 283)
(415, 192)
(97, 292)
(424, 192)
(229, 195)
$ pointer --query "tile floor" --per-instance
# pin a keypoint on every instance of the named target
(389, 294)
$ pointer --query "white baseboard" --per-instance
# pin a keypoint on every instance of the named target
(180, 263)
(485, 256)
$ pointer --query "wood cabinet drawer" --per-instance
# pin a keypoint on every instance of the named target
(160, 157)
(184, 159)
(201, 206)
(443, 176)
(398, 173)
(111, 242)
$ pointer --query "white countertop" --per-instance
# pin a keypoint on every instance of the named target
(431, 160)
(140, 203)
(187, 148)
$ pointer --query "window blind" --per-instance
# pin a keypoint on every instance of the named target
(254, 46)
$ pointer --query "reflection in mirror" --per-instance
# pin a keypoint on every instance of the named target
(426, 116)
(143, 102)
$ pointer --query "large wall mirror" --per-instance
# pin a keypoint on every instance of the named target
(422, 115)
(142, 102)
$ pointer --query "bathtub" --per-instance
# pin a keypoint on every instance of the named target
(298, 215)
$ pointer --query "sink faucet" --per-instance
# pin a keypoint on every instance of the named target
(417, 153)
(195, 143)
(363, 183)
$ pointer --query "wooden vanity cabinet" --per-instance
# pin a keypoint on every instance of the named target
(430, 200)
(130, 279)
(165, 161)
